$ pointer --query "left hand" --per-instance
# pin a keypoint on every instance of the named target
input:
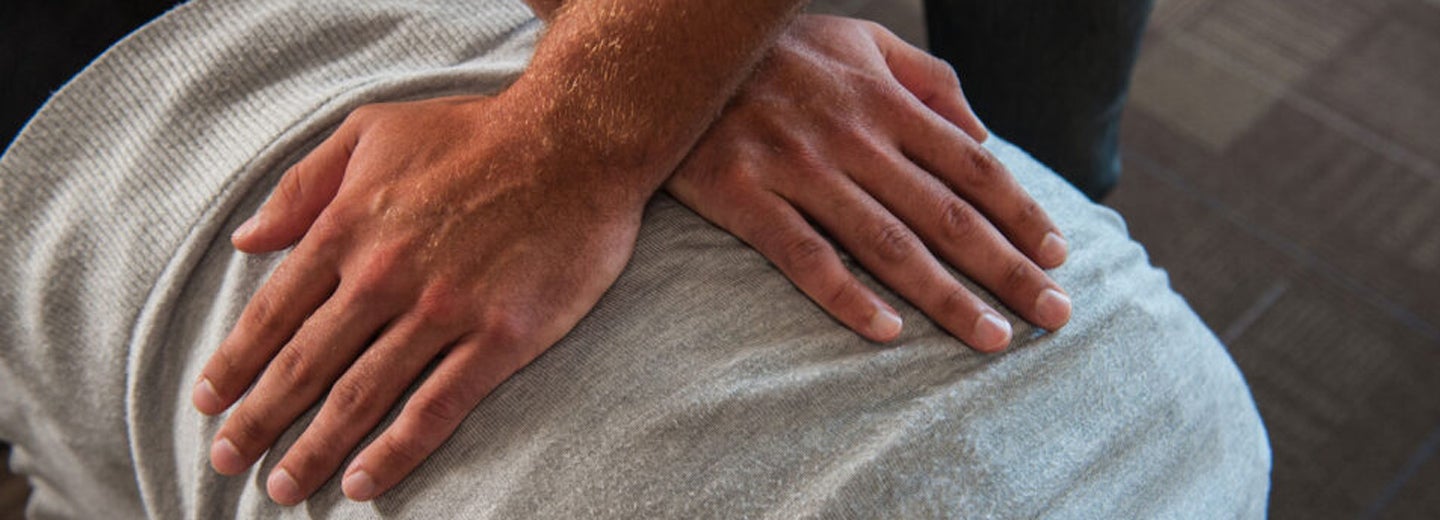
(872, 139)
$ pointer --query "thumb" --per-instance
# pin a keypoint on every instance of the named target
(303, 192)
(931, 80)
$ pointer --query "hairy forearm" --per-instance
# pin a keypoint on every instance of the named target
(630, 86)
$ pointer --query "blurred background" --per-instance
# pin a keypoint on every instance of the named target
(1282, 162)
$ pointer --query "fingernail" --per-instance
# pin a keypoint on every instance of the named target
(1053, 308)
(992, 332)
(283, 488)
(205, 398)
(885, 324)
(1053, 249)
(358, 486)
(225, 458)
(247, 227)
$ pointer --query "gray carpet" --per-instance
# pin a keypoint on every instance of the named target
(1282, 163)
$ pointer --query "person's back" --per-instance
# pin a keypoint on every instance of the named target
(703, 384)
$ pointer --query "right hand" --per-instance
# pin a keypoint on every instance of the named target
(873, 140)
(454, 233)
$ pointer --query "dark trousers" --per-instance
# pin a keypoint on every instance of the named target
(1050, 76)
(45, 42)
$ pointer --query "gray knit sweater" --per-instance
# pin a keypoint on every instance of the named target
(703, 385)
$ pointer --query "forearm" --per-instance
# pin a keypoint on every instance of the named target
(630, 86)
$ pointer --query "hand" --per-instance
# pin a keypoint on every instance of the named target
(467, 234)
(417, 250)
(872, 139)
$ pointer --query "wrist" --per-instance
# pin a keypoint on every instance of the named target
(552, 135)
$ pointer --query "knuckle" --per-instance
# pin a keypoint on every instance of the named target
(808, 171)
(245, 431)
(956, 302)
(1030, 210)
(985, 170)
(892, 242)
(877, 88)
(504, 328)
(802, 252)
(1018, 275)
(899, 99)
(1031, 214)
(263, 311)
(408, 447)
(863, 138)
(292, 185)
(293, 367)
(738, 185)
(783, 57)
(943, 73)
(385, 259)
(869, 26)
(350, 400)
(327, 236)
(439, 411)
(710, 175)
(785, 146)
(328, 231)
(312, 459)
(438, 307)
(375, 279)
(225, 371)
(365, 113)
(845, 294)
(360, 294)
(959, 221)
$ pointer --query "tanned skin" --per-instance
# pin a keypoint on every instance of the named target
(474, 232)
(471, 232)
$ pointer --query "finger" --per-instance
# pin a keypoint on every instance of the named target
(968, 241)
(770, 225)
(297, 287)
(963, 163)
(297, 376)
(931, 80)
(469, 372)
(357, 402)
(978, 177)
(303, 192)
(889, 249)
